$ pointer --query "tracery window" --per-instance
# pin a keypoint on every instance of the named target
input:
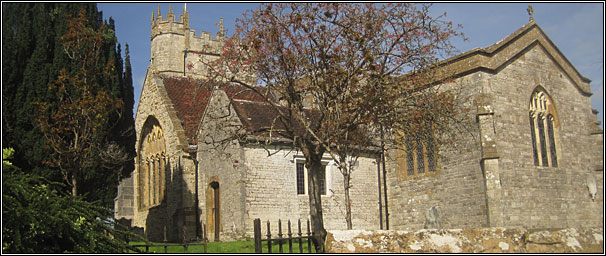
(152, 167)
(543, 125)
(417, 156)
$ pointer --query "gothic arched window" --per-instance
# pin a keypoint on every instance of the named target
(152, 167)
(543, 122)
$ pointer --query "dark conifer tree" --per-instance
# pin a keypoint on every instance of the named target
(33, 55)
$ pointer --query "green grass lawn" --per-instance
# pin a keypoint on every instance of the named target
(223, 247)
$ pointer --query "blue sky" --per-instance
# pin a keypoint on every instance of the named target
(577, 29)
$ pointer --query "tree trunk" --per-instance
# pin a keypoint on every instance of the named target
(315, 169)
(346, 181)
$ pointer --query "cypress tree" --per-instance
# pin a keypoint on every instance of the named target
(33, 55)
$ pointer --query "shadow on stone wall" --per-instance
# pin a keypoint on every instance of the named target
(175, 216)
(126, 225)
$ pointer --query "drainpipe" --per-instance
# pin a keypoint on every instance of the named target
(379, 183)
(192, 152)
(384, 180)
(184, 63)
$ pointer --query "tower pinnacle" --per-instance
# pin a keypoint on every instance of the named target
(220, 24)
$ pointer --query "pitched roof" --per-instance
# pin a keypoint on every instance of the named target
(259, 118)
(238, 92)
(495, 57)
(190, 97)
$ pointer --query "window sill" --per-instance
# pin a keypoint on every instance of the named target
(403, 177)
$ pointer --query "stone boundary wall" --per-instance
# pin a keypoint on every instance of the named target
(484, 240)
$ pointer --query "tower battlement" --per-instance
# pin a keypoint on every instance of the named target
(175, 47)
(168, 24)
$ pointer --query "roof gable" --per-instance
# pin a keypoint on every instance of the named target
(189, 98)
(495, 57)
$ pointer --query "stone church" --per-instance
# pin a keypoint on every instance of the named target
(532, 159)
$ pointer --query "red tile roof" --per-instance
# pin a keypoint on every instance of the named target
(259, 118)
(189, 97)
(238, 92)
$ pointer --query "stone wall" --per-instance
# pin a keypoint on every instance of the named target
(221, 161)
(537, 196)
(271, 191)
(124, 204)
(489, 179)
(177, 208)
(485, 240)
(255, 185)
(456, 188)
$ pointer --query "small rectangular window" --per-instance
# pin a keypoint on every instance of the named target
(301, 174)
(323, 181)
(300, 179)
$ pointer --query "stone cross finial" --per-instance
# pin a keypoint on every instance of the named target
(530, 12)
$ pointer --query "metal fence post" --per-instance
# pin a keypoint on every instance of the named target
(280, 235)
(257, 230)
(268, 237)
(205, 239)
(289, 238)
(300, 235)
(165, 240)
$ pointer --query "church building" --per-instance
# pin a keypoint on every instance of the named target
(533, 157)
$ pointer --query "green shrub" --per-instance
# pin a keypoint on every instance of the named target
(38, 219)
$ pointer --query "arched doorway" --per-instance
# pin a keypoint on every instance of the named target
(213, 209)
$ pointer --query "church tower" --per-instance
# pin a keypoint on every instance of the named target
(176, 50)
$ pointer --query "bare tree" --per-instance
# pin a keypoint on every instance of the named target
(333, 74)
